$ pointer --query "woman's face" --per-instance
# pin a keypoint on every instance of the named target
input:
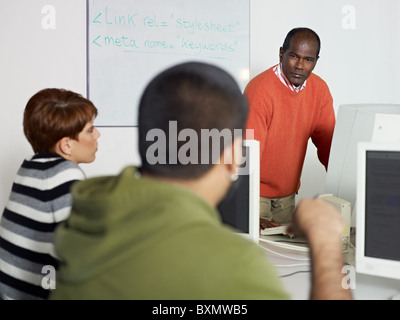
(84, 149)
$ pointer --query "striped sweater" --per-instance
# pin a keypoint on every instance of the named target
(40, 199)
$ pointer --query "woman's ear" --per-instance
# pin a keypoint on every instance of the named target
(64, 146)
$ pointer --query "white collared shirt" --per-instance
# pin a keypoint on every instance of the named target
(285, 81)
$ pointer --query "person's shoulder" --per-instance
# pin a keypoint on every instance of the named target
(317, 80)
(232, 242)
(105, 184)
(65, 164)
(263, 74)
(317, 86)
(67, 170)
(259, 81)
(248, 263)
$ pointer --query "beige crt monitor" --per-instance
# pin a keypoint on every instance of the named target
(357, 123)
(378, 210)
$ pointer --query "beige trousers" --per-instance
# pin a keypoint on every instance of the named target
(277, 210)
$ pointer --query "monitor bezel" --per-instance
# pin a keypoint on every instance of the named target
(252, 169)
(365, 264)
(254, 189)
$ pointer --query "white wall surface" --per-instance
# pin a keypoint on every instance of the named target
(359, 61)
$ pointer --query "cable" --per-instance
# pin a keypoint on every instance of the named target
(293, 273)
(279, 243)
(286, 246)
(291, 241)
(286, 256)
(349, 243)
(292, 265)
(289, 257)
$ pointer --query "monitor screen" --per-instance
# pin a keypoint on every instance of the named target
(240, 207)
(378, 213)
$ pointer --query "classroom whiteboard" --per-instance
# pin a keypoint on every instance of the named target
(131, 41)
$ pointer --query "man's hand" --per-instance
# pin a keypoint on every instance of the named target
(264, 223)
(322, 225)
(315, 217)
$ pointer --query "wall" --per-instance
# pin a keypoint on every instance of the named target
(45, 46)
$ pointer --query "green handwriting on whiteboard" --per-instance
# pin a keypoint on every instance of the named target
(169, 35)
(110, 19)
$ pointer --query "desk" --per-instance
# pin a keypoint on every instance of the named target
(294, 268)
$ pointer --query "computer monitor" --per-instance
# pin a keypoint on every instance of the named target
(378, 210)
(241, 206)
(357, 123)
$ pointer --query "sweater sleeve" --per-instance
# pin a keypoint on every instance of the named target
(323, 132)
(258, 117)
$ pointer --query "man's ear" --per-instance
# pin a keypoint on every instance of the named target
(280, 54)
(232, 156)
(64, 145)
(316, 61)
(238, 150)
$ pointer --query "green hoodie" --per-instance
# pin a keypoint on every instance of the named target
(130, 237)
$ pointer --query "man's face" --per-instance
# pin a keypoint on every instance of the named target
(299, 60)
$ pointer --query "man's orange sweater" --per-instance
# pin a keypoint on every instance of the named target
(283, 121)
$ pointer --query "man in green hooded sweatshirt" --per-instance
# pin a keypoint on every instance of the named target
(154, 233)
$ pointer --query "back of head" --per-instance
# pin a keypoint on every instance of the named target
(305, 33)
(181, 109)
(52, 114)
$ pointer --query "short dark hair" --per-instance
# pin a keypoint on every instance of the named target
(197, 96)
(52, 114)
(307, 33)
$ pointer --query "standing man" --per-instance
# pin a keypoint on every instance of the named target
(288, 104)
